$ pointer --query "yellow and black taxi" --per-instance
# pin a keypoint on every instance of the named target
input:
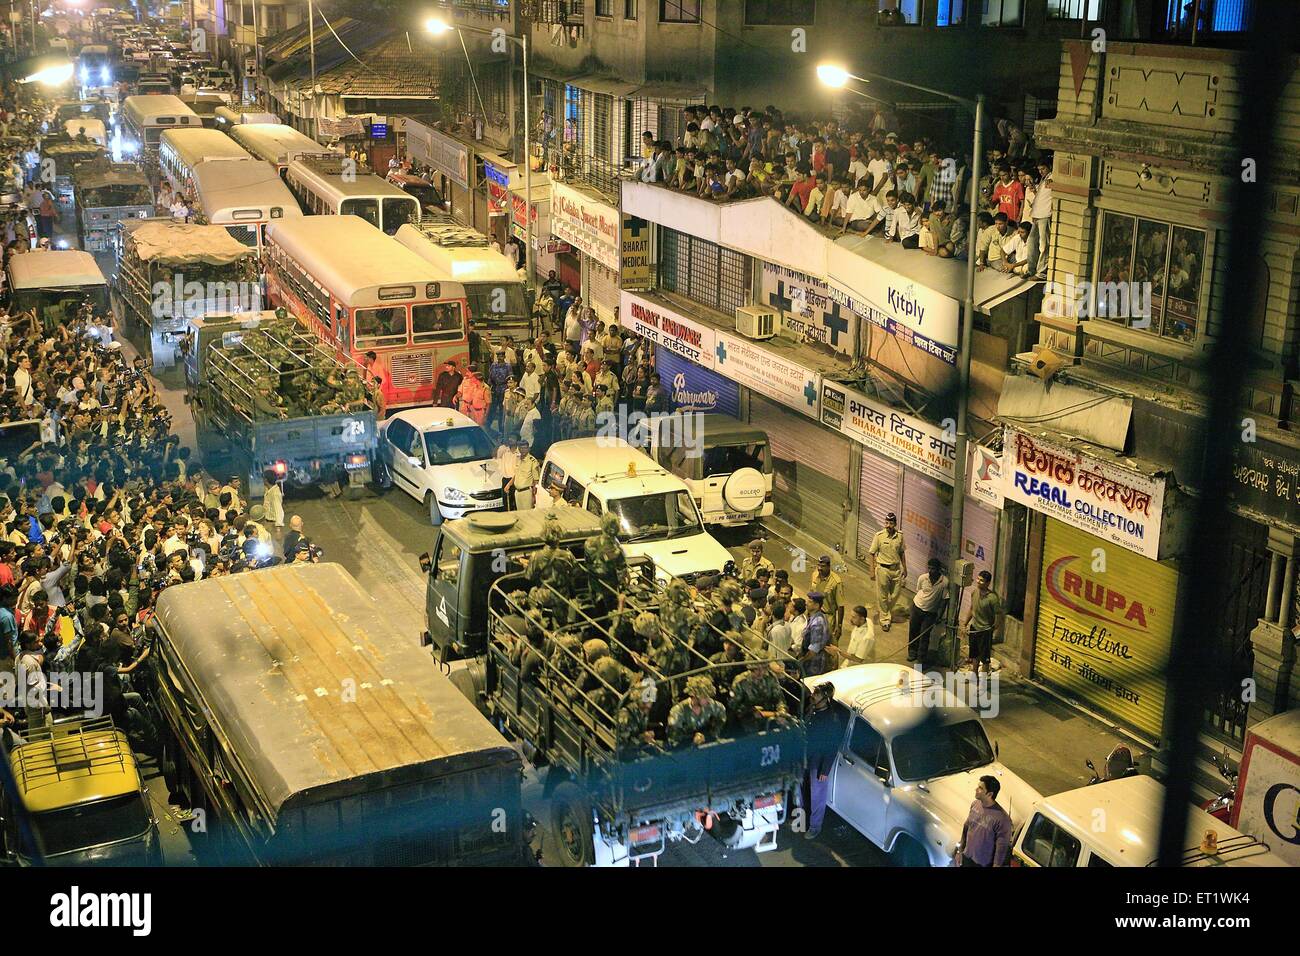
(82, 800)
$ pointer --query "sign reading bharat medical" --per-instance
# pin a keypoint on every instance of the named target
(637, 271)
(897, 435)
(1112, 503)
(767, 373)
(664, 327)
(1103, 636)
(587, 224)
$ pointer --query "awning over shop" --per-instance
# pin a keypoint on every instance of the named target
(1098, 417)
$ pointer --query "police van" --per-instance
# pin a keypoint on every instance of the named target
(658, 516)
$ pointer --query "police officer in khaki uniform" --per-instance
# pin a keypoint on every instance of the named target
(827, 583)
(527, 473)
(888, 567)
(749, 567)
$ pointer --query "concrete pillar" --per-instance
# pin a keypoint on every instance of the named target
(1273, 640)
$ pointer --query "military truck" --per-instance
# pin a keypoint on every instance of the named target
(585, 674)
(60, 159)
(107, 193)
(268, 395)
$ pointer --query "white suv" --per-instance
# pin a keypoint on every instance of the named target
(909, 761)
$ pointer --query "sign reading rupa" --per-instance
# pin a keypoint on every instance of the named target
(1112, 503)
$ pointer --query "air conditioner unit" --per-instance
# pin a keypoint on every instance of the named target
(756, 322)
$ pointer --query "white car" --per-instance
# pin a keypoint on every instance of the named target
(909, 762)
(442, 459)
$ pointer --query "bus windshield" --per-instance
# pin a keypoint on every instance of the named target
(384, 326)
(496, 300)
(436, 322)
(367, 209)
(398, 211)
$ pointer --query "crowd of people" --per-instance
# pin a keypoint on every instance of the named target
(859, 176)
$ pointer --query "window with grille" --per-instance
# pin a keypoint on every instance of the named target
(759, 13)
(1073, 9)
(603, 104)
(629, 9)
(703, 271)
(564, 12)
(1003, 13)
(679, 11)
(951, 13)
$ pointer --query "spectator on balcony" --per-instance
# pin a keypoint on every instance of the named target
(754, 139)
(800, 191)
(862, 210)
(648, 145)
(1015, 249)
(904, 179)
(1008, 194)
(905, 228)
(939, 228)
(818, 155)
(988, 246)
(1040, 210)
(959, 236)
(758, 179)
(653, 171)
(812, 209)
(878, 168)
(857, 171)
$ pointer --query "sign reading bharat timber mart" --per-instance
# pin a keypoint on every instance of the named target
(1104, 637)
(586, 224)
(637, 271)
(897, 435)
(768, 373)
(664, 327)
(1112, 503)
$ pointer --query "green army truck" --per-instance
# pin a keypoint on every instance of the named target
(107, 193)
(269, 397)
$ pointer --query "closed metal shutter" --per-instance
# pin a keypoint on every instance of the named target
(880, 488)
(926, 524)
(602, 289)
(810, 466)
(1103, 637)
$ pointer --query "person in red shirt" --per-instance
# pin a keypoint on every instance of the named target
(7, 551)
(1008, 195)
(800, 191)
(818, 158)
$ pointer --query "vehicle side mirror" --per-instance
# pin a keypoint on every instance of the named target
(1088, 764)
(426, 564)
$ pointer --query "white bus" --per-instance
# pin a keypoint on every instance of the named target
(144, 118)
(243, 197)
(228, 117)
(327, 184)
(181, 151)
(492, 284)
(276, 143)
(362, 292)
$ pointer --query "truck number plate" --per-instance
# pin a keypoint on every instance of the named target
(771, 756)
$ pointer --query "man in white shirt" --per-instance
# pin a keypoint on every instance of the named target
(798, 624)
(507, 463)
(22, 383)
(858, 170)
(905, 228)
(1040, 210)
(528, 427)
(531, 382)
(881, 170)
(861, 210)
(1015, 250)
(927, 608)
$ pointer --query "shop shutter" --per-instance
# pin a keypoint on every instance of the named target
(602, 289)
(810, 467)
(568, 270)
(1103, 637)
(926, 524)
(880, 485)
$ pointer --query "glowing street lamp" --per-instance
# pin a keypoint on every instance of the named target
(437, 25)
(832, 75)
(55, 75)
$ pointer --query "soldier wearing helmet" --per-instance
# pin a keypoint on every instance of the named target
(698, 718)
(553, 565)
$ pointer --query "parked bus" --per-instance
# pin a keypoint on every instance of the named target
(243, 197)
(228, 117)
(276, 143)
(310, 731)
(493, 288)
(144, 118)
(362, 291)
(328, 184)
(181, 151)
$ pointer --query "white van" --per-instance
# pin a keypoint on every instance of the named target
(725, 463)
(1062, 831)
(657, 515)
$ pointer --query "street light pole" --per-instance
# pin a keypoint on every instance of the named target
(311, 43)
(441, 26)
(837, 77)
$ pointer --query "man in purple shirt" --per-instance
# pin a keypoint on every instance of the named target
(986, 837)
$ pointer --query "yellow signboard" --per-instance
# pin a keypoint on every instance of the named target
(1105, 623)
(637, 271)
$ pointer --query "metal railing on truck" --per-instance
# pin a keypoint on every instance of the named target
(550, 696)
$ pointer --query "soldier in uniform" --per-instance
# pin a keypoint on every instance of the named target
(566, 665)
(604, 406)
(553, 565)
(699, 718)
(606, 564)
(584, 418)
(750, 566)
(888, 570)
(353, 395)
(756, 695)
(634, 729)
(827, 583)
(607, 680)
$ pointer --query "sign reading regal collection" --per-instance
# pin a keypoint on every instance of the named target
(913, 441)
(1103, 637)
(587, 224)
(734, 357)
(1105, 500)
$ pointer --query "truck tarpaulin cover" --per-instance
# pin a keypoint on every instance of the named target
(183, 243)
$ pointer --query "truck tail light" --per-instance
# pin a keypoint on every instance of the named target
(643, 835)
(280, 468)
(772, 799)
(356, 459)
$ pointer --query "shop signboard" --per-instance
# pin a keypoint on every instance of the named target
(920, 445)
(767, 373)
(586, 223)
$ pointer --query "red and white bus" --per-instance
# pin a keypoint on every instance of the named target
(363, 291)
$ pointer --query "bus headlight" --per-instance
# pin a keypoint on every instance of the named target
(104, 75)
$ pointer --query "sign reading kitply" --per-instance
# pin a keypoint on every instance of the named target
(1112, 503)
(587, 224)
